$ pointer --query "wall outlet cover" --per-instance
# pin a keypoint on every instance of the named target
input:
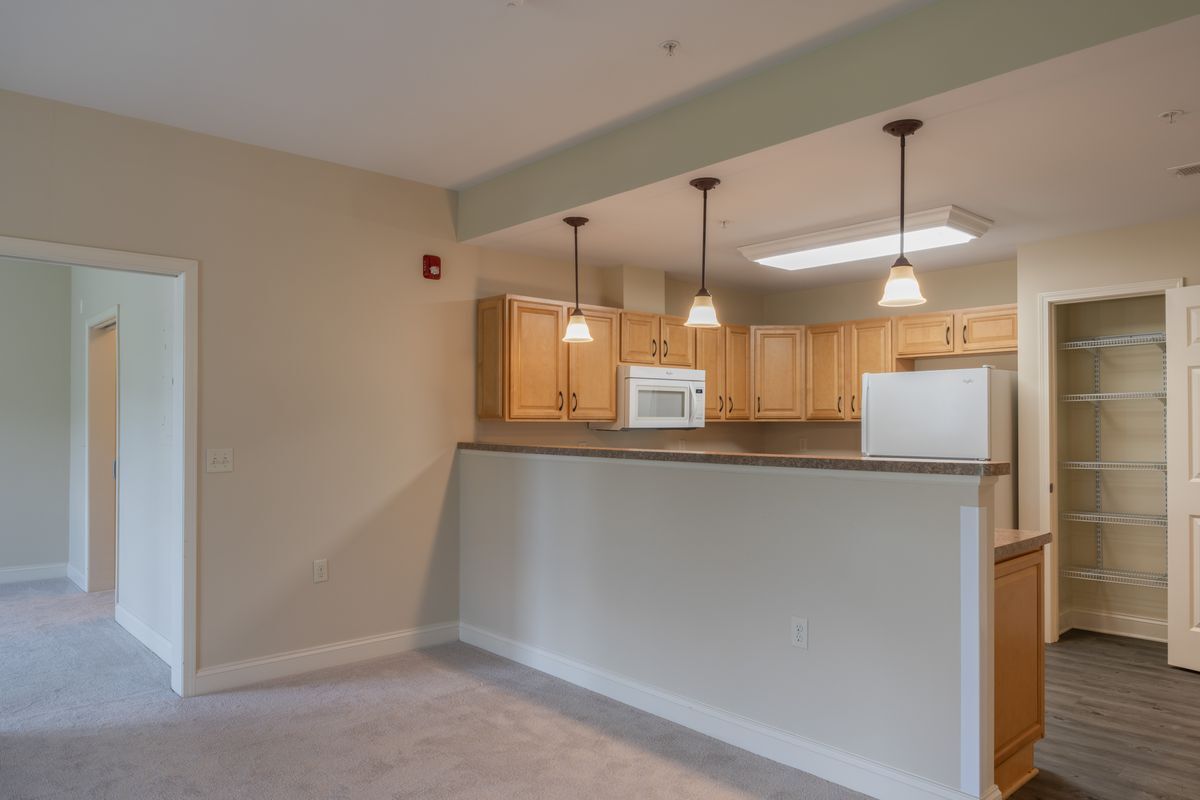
(800, 632)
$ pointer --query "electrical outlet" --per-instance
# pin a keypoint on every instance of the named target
(218, 459)
(800, 632)
(320, 570)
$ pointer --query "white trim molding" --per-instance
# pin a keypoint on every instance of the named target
(154, 642)
(32, 572)
(281, 665)
(1098, 621)
(185, 378)
(76, 577)
(830, 763)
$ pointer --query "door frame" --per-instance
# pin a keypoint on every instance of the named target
(186, 274)
(90, 324)
(1048, 422)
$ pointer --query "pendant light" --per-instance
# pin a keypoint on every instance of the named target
(901, 288)
(577, 329)
(703, 314)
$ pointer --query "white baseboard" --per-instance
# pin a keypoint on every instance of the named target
(255, 670)
(32, 572)
(830, 763)
(139, 630)
(76, 577)
(1131, 625)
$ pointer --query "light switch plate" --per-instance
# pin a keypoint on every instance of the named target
(320, 570)
(219, 459)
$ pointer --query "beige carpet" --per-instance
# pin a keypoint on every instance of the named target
(86, 712)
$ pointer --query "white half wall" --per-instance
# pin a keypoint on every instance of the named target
(147, 513)
(671, 587)
(34, 419)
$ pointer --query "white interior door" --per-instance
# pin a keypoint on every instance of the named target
(1183, 477)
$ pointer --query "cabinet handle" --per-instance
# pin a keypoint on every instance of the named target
(964, 334)
(654, 348)
(759, 409)
(730, 404)
(666, 347)
(574, 402)
(720, 404)
(947, 334)
(851, 404)
(839, 404)
(560, 401)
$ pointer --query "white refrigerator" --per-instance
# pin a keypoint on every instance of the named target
(957, 414)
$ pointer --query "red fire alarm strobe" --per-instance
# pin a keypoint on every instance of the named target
(431, 267)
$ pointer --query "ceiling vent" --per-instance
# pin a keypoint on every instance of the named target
(1186, 170)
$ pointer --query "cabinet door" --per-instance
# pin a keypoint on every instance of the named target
(779, 372)
(987, 329)
(1019, 653)
(639, 338)
(825, 372)
(924, 335)
(737, 372)
(870, 350)
(592, 368)
(710, 357)
(678, 343)
(537, 360)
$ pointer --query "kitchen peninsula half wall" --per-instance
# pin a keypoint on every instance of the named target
(795, 606)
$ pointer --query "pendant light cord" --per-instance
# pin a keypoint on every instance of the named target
(902, 142)
(704, 242)
(576, 229)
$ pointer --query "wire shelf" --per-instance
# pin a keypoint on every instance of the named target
(1097, 397)
(1104, 518)
(1123, 576)
(1128, 340)
(1130, 466)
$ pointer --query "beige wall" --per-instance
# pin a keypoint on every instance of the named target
(340, 376)
(961, 287)
(1169, 249)
(34, 413)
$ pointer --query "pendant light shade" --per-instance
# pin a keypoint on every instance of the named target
(902, 288)
(577, 327)
(703, 313)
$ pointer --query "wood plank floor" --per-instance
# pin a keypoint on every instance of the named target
(1120, 723)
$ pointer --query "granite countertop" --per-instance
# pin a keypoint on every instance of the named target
(1010, 543)
(856, 463)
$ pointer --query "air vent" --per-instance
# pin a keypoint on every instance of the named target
(1187, 170)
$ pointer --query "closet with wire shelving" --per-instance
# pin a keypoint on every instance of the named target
(1111, 450)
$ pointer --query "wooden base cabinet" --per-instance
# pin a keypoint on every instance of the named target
(778, 372)
(1019, 671)
(524, 370)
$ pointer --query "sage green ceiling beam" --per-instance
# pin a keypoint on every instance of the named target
(931, 50)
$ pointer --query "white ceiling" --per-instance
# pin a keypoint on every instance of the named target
(1066, 146)
(442, 91)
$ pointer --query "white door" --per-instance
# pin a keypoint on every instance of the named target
(1183, 477)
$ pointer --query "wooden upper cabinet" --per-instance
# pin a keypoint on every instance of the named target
(537, 360)
(869, 343)
(489, 358)
(924, 335)
(825, 372)
(639, 338)
(710, 357)
(987, 329)
(738, 383)
(779, 372)
(592, 368)
(677, 343)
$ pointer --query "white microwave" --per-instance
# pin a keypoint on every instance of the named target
(657, 397)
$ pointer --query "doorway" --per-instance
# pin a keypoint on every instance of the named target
(102, 398)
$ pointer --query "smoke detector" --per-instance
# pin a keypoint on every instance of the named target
(1186, 170)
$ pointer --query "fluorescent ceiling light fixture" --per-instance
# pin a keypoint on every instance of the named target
(924, 230)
